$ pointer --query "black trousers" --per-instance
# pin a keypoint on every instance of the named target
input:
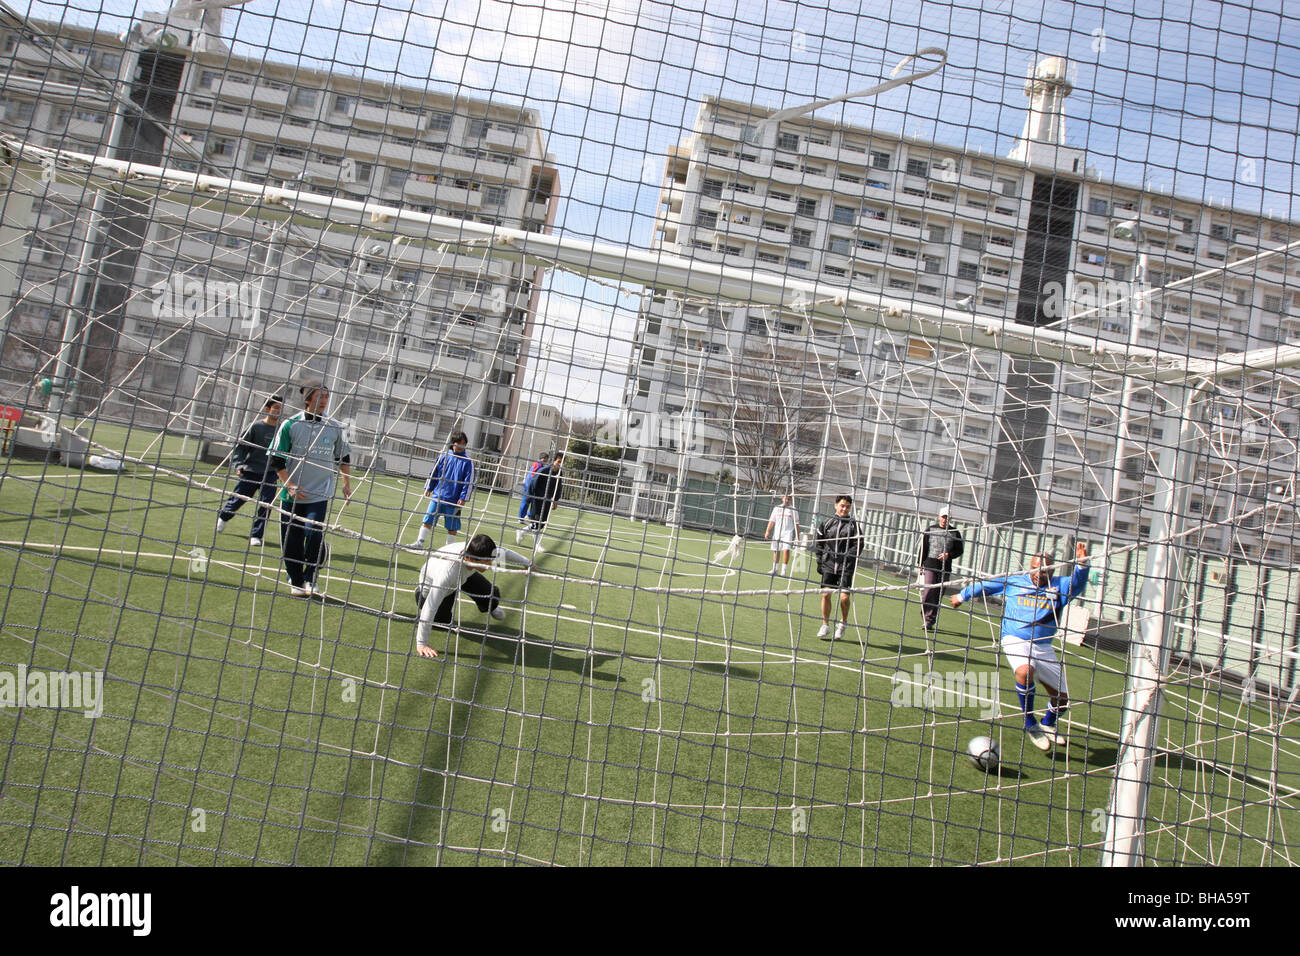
(932, 594)
(486, 597)
(302, 536)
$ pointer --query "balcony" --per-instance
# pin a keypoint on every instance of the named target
(441, 193)
(261, 95)
(391, 120)
(504, 139)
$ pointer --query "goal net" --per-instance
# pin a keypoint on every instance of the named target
(684, 282)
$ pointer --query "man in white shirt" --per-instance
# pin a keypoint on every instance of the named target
(455, 567)
(783, 529)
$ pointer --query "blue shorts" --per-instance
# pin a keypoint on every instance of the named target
(449, 510)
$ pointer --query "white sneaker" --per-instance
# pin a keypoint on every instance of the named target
(221, 525)
(774, 570)
(1038, 738)
(255, 542)
(1053, 735)
(498, 614)
(519, 536)
(839, 630)
(824, 630)
(300, 592)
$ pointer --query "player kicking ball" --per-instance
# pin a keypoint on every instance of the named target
(458, 567)
(1031, 614)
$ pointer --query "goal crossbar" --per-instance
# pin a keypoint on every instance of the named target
(674, 274)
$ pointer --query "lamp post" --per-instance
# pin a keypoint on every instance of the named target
(1130, 231)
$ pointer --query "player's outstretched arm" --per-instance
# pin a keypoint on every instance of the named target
(514, 557)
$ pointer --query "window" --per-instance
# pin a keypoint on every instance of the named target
(343, 104)
(801, 237)
(932, 264)
(261, 153)
(845, 215)
(1218, 231)
(968, 270)
(439, 122)
(1098, 207)
(972, 240)
(706, 219)
(839, 246)
(1010, 187)
(304, 98)
(937, 234)
(397, 178)
(788, 141)
(712, 188)
(494, 196)
(806, 207)
(879, 160)
(478, 128)
(918, 167)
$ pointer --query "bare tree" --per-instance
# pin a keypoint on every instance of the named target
(774, 412)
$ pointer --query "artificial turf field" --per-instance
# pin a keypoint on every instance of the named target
(639, 705)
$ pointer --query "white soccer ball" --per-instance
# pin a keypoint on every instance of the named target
(984, 753)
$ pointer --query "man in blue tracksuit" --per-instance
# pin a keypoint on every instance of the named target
(1031, 613)
(449, 486)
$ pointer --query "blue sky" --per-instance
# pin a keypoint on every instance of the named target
(1202, 99)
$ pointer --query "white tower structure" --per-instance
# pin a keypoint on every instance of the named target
(1042, 140)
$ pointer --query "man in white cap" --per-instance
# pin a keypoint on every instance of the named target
(940, 546)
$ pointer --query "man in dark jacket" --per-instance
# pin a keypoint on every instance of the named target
(839, 542)
(941, 544)
(253, 465)
(548, 485)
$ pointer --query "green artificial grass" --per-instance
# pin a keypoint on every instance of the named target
(639, 705)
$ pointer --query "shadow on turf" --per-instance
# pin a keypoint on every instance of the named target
(536, 653)
(726, 670)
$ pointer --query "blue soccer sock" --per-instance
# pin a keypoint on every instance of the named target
(1026, 695)
(1049, 718)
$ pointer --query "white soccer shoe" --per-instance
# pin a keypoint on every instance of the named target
(221, 526)
(1053, 734)
(1038, 737)
(824, 630)
(255, 542)
(498, 614)
(839, 630)
(300, 592)
(519, 536)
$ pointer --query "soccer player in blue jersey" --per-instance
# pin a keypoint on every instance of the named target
(1031, 614)
(449, 486)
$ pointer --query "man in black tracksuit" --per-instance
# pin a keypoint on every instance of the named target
(548, 485)
(940, 546)
(252, 463)
(839, 542)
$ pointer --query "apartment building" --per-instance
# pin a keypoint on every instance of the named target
(202, 309)
(909, 424)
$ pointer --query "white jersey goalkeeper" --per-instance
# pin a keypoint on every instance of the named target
(457, 567)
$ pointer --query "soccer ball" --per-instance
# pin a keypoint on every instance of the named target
(984, 753)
